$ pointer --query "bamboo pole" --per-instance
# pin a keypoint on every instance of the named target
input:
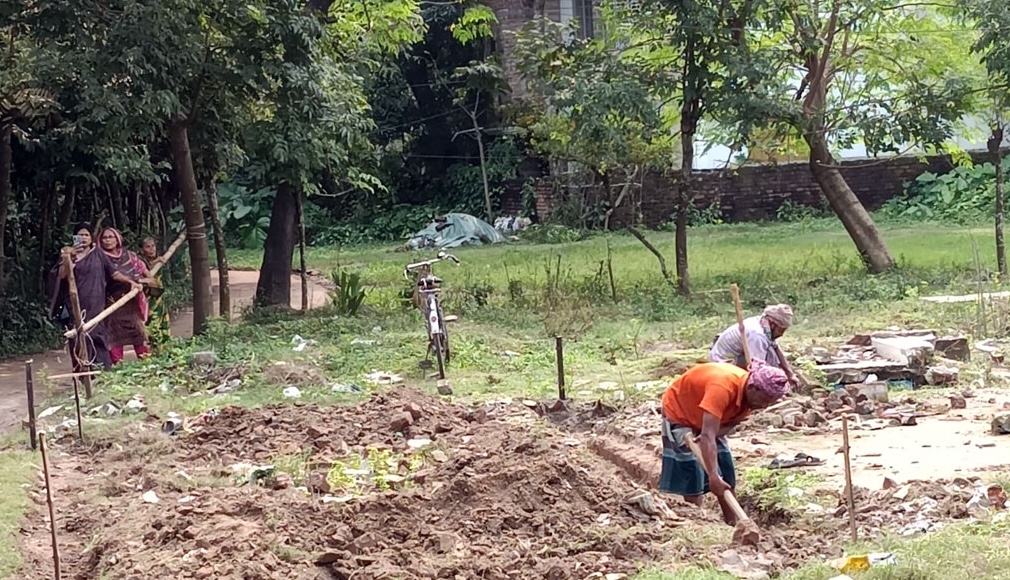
(77, 405)
(109, 310)
(30, 387)
(735, 291)
(75, 310)
(52, 512)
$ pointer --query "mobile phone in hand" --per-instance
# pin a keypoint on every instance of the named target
(78, 241)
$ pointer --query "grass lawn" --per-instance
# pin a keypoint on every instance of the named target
(511, 299)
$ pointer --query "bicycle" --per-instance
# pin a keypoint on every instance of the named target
(429, 287)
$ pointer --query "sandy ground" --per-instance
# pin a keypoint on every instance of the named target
(955, 444)
(13, 401)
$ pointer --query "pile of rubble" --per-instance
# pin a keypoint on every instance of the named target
(918, 356)
(870, 401)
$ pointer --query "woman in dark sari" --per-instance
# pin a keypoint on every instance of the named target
(93, 272)
(126, 325)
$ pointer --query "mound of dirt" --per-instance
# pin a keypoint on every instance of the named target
(493, 497)
(385, 420)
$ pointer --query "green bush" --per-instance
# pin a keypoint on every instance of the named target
(965, 194)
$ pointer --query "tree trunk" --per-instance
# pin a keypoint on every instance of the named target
(688, 129)
(274, 286)
(118, 213)
(857, 221)
(45, 234)
(224, 287)
(67, 209)
(483, 166)
(302, 270)
(199, 255)
(995, 140)
(6, 162)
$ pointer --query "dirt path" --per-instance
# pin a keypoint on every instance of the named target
(13, 404)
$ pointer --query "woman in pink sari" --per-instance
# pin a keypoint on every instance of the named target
(126, 325)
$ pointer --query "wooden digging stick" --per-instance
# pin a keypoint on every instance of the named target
(735, 291)
(746, 533)
(75, 310)
(52, 511)
(129, 295)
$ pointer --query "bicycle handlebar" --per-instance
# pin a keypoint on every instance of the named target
(442, 256)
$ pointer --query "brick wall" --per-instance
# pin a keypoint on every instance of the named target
(512, 15)
(756, 192)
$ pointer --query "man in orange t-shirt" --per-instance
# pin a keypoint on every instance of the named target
(707, 401)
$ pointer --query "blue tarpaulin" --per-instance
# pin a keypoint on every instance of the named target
(454, 230)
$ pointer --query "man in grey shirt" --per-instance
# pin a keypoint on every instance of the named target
(762, 332)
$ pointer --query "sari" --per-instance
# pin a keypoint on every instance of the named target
(126, 326)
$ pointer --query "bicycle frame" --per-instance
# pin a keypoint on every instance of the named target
(428, 285)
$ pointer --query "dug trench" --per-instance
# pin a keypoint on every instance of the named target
(402, 485)
(405, 485)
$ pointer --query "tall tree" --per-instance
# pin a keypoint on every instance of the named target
(857, 71)
(993, 45)
(317, 124)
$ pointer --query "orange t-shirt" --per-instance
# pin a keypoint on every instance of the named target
(714, 388)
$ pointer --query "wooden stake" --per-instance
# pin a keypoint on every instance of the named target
(735, 291)
(30, 386)
(848, 478)
(52, 512)
(75, 310)
(125, 299)
(559, 350)
(77, 405)
(303, 272)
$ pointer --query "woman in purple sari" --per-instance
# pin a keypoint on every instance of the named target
(93, 272)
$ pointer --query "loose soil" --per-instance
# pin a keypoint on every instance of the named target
(13, 402)
(506, 488)
(494, 494)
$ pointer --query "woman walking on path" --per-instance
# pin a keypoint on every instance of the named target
(159, 326)
(126, 325)
(93, 274)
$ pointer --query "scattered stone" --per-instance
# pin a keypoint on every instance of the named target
(400, 422)
(967, 393)
(283, 481)
(941, 375)
(958, 402)
(418, 443)
(876, 392)
(292, 392)
(439, 456)
(150, 497)
(414, 410)
(444, 388)
(889, 483)
(954, 347)
(203, 359)
(866, 407)
(420, 476)
(814, 419)
(985, 445)
(907, 350)
(318, 483)
(1001, 425)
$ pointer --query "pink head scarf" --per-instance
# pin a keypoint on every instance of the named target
(769, 380)
(780, 314)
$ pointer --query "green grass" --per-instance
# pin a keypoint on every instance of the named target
(511, 299)
(16, 468)
(960, 551)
